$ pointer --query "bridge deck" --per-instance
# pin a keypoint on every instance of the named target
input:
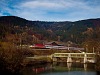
(72, 55)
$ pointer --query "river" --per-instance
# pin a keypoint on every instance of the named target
(60, 69)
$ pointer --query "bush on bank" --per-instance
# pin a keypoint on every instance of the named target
(11, 58)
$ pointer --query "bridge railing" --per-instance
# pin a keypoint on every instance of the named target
(75, 55)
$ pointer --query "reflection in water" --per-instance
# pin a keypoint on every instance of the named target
(42, 68)
(69, 66)
(85, 67)
(38, 70)
(61, 69)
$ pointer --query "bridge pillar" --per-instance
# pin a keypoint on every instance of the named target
(85, 58)
(50, 56)
(54, 59)
(69, 58)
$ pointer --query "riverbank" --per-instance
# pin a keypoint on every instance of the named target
(33, 62)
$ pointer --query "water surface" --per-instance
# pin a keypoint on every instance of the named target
(61, 69)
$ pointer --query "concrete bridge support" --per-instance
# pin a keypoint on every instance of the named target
(85, 58)
(69, 59)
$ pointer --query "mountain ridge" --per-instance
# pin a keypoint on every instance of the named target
(67, 30)
(49, 21)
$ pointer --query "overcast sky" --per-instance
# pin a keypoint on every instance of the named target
(51, 10)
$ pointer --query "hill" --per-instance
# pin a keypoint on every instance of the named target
(59, 31)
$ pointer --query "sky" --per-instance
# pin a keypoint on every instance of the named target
(51, 10)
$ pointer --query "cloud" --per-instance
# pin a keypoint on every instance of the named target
(55, 4)
(37, 4)
(1, 14)
(50, 10)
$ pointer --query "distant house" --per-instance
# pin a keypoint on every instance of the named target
(37, 46)
(54, 45)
